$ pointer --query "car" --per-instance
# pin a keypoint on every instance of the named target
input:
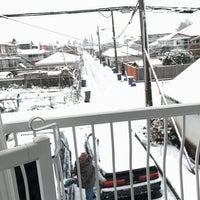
(122, 168)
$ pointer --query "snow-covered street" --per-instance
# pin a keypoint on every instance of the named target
(107, 93)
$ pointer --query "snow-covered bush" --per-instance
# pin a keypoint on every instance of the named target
(177, 56)
(157, 133)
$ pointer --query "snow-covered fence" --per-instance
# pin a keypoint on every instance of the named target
(94, 118)
(39, 151)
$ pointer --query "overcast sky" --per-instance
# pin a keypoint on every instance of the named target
(79, 26)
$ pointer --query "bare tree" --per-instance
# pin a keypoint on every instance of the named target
(184, 24)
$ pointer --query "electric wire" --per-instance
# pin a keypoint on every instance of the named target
(39, 27)
(104, 15)
(108, 9)
(130, 21)
(100, 10)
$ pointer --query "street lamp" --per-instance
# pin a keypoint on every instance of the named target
(99, 42)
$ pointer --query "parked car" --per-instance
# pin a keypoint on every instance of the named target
(122, 171)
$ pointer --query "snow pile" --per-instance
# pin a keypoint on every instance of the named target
(182, 86)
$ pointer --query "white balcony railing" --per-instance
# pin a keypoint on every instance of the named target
(92, 119)
(38, 150)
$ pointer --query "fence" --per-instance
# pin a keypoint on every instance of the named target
(166, 72)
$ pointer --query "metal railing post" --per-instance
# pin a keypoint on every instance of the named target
(45, 168)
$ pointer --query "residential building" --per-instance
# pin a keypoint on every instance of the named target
(8, 58)
(182, 38)
(124, 54)
(31, 53)
(59, 59)
(180, 91)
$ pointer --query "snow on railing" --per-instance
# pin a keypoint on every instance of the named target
(94, 119)
(39, 151)
(52, 132)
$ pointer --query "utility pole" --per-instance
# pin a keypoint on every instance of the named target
(146, 67)
(98, 34)
(92, 45)
(114, 42)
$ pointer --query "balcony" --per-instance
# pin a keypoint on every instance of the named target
(91, 121)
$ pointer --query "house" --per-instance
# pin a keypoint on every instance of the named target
(124, 54)
(156, 36)
(68, 49)
(32, 55)
(26, 45)
(182, 38)
(184, 89)
(195, 46)
(8, 58)
(59, 59)
(174, 40)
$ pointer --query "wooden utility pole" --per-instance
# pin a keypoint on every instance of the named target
(92, 45)
(114, 42)
(98, 34)
(146, 66)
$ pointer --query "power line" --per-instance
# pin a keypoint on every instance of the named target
(41, 28)
(130, 21)
(173, 9)
(121, 8)
(99, 10)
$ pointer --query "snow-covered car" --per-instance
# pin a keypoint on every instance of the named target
(122, 171)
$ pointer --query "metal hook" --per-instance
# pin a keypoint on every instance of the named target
(32, 120)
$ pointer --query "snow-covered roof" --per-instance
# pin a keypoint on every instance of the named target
(32, 72)
(59, 58)
(30, 51)
(6, 43)
(110, 53)
(5, 75)
(182, 87)
(128, 50)
(10, 58)
(54, 73)
(167, 37)
(122, 51)
(192, 30)
(21, 66)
